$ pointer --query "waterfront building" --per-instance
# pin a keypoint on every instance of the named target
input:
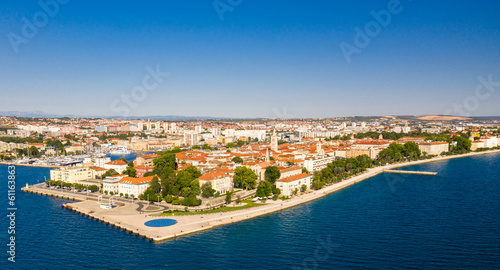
(134, 186)
(71, 174)
(221, 181)
(289, 184)
(110, 183)
(477, 144)
(317, 163)
(287, 172)
(434, 148)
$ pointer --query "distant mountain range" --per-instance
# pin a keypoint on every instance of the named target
(181, 117)
(153, 117)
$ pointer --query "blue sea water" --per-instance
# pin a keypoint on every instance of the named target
(391, 221)
(128, 157)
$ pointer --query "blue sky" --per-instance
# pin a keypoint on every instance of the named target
(263, 59)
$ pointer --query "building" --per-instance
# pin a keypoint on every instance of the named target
(97, 161)
(290, 184)
(98, 171)
(146, 160)
(489, 141)
(434, 148)
(141, 170)
(71, 175)
(259, 169)
(134, 186)
(476, 145)
(110, 183)
(75, 148)
(190, 138)
(221, 182)
(317, 163)
(117, 165)
(287, 172)
(274, 142)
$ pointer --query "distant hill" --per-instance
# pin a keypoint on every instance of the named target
(442, 118)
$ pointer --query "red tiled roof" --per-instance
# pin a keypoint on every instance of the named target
(212, 176)
(117, 162)
(136, 181)
(294, 177)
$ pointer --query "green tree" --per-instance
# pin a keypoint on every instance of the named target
(303, 188)
(237, 160)
(463, 144)
(411, 150)
(264, 189)
(272, 174)
(317, 183)
(130, 171)
(228, 197)
(244, 178)
(109, 172)
(191, 200)
(207, 190)
(230, 145)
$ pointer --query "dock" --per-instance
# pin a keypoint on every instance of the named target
(411, 172)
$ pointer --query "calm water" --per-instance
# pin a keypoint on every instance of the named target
(391, 221)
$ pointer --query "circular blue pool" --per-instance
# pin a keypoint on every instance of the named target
(164, 222)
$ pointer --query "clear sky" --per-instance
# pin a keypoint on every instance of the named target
(249, 58)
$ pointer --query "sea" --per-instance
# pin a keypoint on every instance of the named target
(390, 221)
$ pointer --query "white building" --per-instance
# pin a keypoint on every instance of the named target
(434, 148)
(71, 175)
(117, 165)
(190, 138)
(97, 161)
(221, 182)
(290, 184)
(317, 163)
(110, 183)
(274, 142)
(134, 186)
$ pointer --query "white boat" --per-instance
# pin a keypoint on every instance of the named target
(119, 150)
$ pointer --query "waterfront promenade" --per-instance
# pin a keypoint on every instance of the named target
(126, 216)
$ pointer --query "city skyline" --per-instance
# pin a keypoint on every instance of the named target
(250, 60)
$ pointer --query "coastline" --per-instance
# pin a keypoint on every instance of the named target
(127, 217)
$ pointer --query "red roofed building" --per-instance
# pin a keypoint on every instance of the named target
(221, 181)
(146, 160)
(292, 183)
(134, 186)
(117, 165)
(434, 148)
(141, 170)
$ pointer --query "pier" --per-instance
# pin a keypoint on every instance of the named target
(411, 172)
